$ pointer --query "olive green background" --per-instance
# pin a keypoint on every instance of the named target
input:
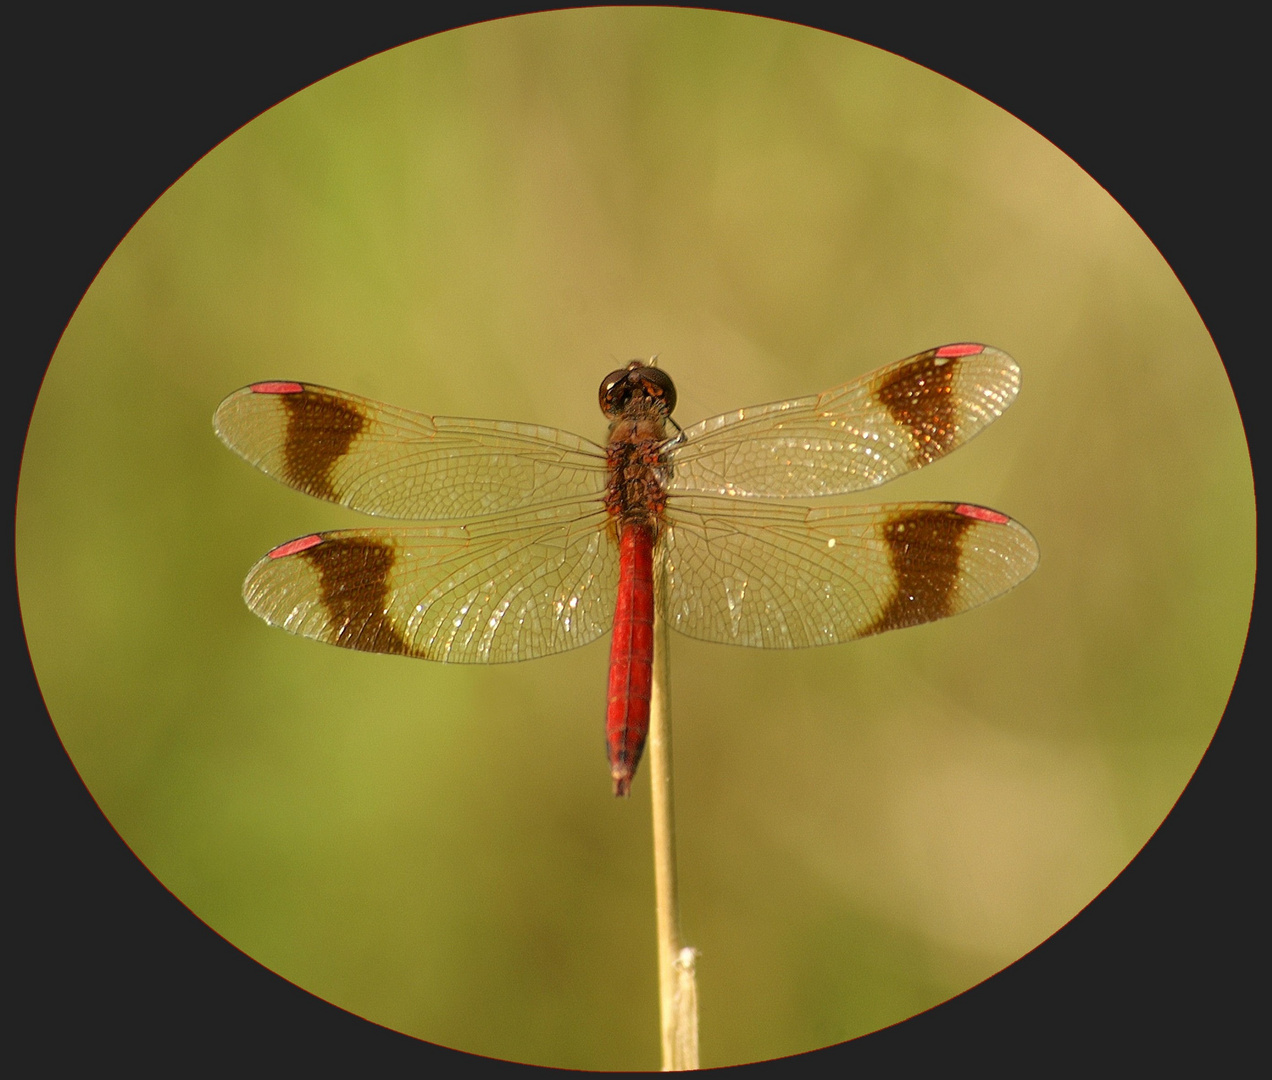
(485, 223)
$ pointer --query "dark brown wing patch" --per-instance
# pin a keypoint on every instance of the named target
(919, 397)
(924, 548)
(353, 577)
(320, 430)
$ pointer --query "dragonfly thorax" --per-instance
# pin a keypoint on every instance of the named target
(637, 466)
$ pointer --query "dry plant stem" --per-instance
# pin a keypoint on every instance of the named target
(677, 981)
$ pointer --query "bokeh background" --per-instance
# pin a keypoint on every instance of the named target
(484, 223)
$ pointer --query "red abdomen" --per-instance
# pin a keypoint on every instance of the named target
(631, 655)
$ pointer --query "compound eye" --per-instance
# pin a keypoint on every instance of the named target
(615, 392)
(657, 384)
(637, 379)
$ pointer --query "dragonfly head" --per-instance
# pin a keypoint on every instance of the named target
(638, 381)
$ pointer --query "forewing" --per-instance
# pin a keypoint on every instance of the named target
(494, 591)
(853, 437)
(387, 461)
(779, 575)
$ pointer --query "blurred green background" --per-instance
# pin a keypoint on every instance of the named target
(485, 223)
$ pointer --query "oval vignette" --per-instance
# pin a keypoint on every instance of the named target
(229, 483)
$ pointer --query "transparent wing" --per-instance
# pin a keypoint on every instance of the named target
(783, 576)
(387, 461)
(853, 437)
(501, 589)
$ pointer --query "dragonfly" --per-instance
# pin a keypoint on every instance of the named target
(529, 541)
